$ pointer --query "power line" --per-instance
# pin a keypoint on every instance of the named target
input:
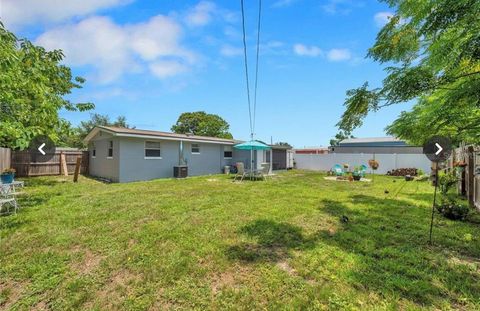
(256, 65)
(246, 67)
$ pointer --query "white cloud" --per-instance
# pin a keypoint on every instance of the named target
(232, 33)
(382, 18)
(303, 50)
(282, 3)
(113, 49)
(341, 6)
(230, 51)
(16, 13)
(273, 48)
(336, 55)
(201, 14)
(167, 69)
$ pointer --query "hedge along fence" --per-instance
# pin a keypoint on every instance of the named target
(29, 164)
(5, 158)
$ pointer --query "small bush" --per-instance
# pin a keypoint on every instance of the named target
(454, 211)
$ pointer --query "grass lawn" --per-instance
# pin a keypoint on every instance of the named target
(207, 243)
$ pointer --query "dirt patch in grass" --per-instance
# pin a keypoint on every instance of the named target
(121, 284)
(231, 278)
(160, 302)
(472, 263)
(10, 293)
(284, 265)
(89, 262)
(41, 306)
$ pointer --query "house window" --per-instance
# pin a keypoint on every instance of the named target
(227, 152)
(152, 149)
(110, 149)
(94, 150)
(195, 148)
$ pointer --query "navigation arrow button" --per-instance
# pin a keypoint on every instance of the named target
(439, 149)
(41, 149)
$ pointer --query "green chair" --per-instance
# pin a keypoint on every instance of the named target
(363, 170)
(338, 170)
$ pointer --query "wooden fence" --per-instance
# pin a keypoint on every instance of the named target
(31, 164)
(5, 158)
(469, 181)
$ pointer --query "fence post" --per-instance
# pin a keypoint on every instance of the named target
(63, 164)
(77, 169)
(470, 175)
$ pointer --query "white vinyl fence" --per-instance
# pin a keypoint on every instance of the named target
(388, 162)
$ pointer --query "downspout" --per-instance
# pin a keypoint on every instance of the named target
(271, 162)
(181, 160)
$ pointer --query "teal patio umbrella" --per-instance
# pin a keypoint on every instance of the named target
(252, 145)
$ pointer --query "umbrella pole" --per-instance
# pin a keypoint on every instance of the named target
(252, 161)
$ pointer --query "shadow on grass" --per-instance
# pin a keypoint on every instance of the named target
(12, 222)
(99, 179)
(32, 200)
(388, 237)
(274, 240)
(42, 181)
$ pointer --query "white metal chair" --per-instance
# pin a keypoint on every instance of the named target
(264, 171)
(7, 198)
(241, 173)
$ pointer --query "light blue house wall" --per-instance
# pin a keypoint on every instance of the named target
(101, 165)
(210, 159)
(135, 167)
(130, 164)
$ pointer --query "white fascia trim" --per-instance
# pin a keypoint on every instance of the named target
(173, 138)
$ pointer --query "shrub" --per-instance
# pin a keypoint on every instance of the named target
(453, 210)
(449, 206)
(447, 181)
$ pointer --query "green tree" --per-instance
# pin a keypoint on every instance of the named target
(434, 51)
(283, 143)
(32, 86)
(203, 124)
(341, 135)
(73, 136)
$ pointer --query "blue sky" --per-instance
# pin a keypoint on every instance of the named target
(152, 60)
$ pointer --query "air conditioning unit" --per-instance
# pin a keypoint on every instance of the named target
(180, 171)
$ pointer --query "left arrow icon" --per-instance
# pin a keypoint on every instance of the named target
(41, 149)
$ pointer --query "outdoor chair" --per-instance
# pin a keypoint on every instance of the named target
(241, 173)
(7, 198)
(338, 170)
(263, 172)
(363, 170)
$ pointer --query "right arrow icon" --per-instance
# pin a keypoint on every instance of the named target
(439, 149)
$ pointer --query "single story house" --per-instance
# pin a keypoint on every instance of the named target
(376, 145)
(125, 155)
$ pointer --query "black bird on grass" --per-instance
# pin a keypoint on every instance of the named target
(387, 192)
(344, 219)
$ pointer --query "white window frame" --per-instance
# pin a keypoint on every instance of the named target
(199, 150)
(230, 150)
(145, 148)
(110, 146)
